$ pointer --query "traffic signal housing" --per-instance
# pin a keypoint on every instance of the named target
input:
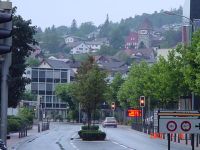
(5, 30)
(142, 101)
(113, 105)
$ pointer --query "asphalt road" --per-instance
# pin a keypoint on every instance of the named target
(63, 136)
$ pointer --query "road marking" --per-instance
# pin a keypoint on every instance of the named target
(114, 142)
(74, 146)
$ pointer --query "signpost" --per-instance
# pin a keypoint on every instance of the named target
(186, 122)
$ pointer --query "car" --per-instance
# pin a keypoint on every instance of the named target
(110, 122)
(2, 145)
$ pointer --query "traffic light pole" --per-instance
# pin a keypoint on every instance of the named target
(4, 95)
(5, 53)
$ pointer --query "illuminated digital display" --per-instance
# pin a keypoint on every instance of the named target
(134, 113)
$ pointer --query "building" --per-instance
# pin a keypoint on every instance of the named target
(72, 39)
(44, 80)
(131, 40)
(80, 49)
(145, 34)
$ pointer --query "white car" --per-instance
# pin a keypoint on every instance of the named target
(110, 121)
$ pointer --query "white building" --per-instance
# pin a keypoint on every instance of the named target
(80, 49)
(71, 39)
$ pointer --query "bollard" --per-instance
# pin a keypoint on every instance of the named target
(197, 140)
(38, 127)
(175, 137)
(186, 139)
(179, 138)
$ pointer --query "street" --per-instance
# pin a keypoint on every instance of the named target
(64, 136)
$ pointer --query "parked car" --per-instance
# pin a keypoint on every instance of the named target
(2, 145)
(110, 121)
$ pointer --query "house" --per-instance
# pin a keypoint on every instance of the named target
(71, 39)
(147, 55)
(131, 40)
(94, 45)
(44, 80)
(93, 35)
(80, 49)
(112, 66)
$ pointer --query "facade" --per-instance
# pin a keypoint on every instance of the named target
(71, 39)
(132, 40)
(80, 49)
(145, 34)
(44, 80)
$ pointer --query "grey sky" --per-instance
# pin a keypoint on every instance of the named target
(45, 13)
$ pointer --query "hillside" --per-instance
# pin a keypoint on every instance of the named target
(51, 39)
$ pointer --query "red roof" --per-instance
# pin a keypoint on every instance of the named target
(146, 25)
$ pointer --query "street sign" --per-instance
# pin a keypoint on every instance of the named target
(171, 126)
(183, 125)
(134, 113)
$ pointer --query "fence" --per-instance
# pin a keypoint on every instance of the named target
(152, 131)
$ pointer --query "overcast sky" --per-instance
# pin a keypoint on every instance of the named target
(45, 13)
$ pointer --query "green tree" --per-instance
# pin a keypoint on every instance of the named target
(64, 92)
(32, 62)
(90, 87)
(136, 84)
(74, 27)
(114, 88)
(27, 95)
(23, 34)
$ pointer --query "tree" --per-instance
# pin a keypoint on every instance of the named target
(136, 84)
(117, 40)
(86, 28)
(105, 28)
(23, 34)
(27, 95)
(114, 88)
(189, 56)
(64, 92)
(74, 28)
(90, 87)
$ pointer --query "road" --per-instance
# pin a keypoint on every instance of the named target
(63, 136)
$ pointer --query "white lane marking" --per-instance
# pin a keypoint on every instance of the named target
(74, 146)
(122, 145)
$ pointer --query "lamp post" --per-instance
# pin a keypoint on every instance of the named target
(192, 25)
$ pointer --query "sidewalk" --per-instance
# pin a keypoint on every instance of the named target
(15, 141)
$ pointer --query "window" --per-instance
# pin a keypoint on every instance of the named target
(56, 74)
(34, 73)
(48, 99)
(34, 86)
(63, 75)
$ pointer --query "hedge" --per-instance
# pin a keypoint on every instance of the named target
(92, 135)
(94, 127)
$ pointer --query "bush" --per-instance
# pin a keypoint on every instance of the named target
(92, 135)
(94, 127)
(14, 125)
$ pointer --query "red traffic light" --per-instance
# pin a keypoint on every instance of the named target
(142, 101)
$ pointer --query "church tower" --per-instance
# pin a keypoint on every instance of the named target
(145, 35)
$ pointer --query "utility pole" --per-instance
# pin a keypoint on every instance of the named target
(5, 52)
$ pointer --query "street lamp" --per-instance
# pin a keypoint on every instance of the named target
(192, 24)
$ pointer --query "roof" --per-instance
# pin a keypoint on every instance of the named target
(121, 67)
(56, 64)
(146, 25)
(74, 44)
(143, 53)
(132, 38)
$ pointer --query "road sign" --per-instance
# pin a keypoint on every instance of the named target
(183, 125)
(171, 126)
(186, 126)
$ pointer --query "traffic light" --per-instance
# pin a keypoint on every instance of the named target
(5, 29)
(113, 106)
(142, 101)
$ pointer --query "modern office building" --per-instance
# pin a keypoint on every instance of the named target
(44, 80)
